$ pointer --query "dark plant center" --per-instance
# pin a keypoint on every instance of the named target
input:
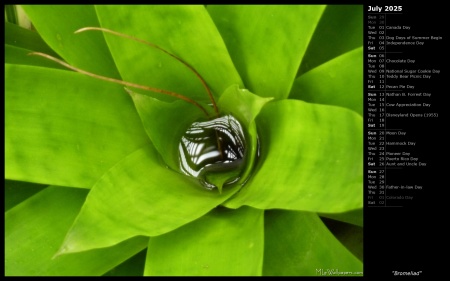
(213, 149)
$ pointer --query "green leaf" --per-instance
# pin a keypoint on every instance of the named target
(57, 24)
(138, 196)
(311, 159)
(18, 191)
(298, 243)
(35, 228)
(340, 30)
(336, 82)
(11, 14)
(165, 124)
(351, 236)
(17, 55)
(354, 217)
(224, 242)
(63, 128)
(132, 267)
(19, 42)
(267, 42)
(245, 106)
(185, 31)
(26, 39)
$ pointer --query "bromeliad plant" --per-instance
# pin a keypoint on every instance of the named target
(94, 183)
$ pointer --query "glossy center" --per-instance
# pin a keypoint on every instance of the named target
(213, 147)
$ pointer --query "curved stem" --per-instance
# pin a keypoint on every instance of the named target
(161, 49)
(125, 83)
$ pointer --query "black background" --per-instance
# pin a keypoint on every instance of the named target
(408, 238)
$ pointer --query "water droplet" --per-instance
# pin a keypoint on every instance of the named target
(159, 64)
(213, 151)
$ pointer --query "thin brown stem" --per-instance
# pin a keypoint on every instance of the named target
(125, 83)
(161, 49)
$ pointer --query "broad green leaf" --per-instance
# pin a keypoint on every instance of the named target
(63, 128)
(138, 196)
(132, 267)
(17, 55)
(224, 242)
(19, 42)
(336, 82)
(354, 217)
(18, 191)
(340, 30)
(245, 106)
(298, 243)
(57, 23)
(351, 236)
(311, 159)
(35, 228)
(165, 124)
(25, 38)
(267, 42)
(185, 31)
